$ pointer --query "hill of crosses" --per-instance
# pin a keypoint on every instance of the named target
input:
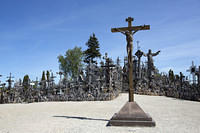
(106, 80)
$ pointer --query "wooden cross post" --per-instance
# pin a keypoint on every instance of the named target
(128, 32)
(108, 67)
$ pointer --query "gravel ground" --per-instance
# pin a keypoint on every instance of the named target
(171, 116)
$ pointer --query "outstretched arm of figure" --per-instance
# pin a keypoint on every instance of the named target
(154, 54)
(120, 31)
(134, 32)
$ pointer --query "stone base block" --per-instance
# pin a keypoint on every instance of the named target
(131, 115)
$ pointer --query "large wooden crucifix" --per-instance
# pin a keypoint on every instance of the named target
(129, 32)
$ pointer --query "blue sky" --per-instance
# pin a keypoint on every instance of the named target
(34, 32)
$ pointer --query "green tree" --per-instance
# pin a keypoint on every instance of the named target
(43, 76)
(43, 80)
(93, 49)
(26, 82)
(171, 75)
(71, 62)
(48, 77)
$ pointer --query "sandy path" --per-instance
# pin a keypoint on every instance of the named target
(171, 115)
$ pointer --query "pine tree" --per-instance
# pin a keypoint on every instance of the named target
(48, 77)
(26, 82)
(93, 50)
(43, 76)
(43, 80)
(171, 75)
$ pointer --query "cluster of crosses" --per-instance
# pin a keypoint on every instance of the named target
(94, 80)
(104, 78)
(195, 72)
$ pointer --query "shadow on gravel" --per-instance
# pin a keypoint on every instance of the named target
(81, 118)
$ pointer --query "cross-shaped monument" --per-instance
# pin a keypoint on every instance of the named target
(52, 79)
(108, 65)
(192, 71)
(139, 54)
(10, 81)
(129, 32)
(131, 114)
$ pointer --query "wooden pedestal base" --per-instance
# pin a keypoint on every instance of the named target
(131, 115)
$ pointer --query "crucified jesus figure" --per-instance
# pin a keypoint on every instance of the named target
(129, 39)
(129, 48)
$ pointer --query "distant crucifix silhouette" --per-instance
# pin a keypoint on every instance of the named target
(129, 32)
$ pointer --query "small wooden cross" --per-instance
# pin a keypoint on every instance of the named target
(108, 67)
(127, 31)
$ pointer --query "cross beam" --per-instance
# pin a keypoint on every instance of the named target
(127, 31)
(132, 28)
